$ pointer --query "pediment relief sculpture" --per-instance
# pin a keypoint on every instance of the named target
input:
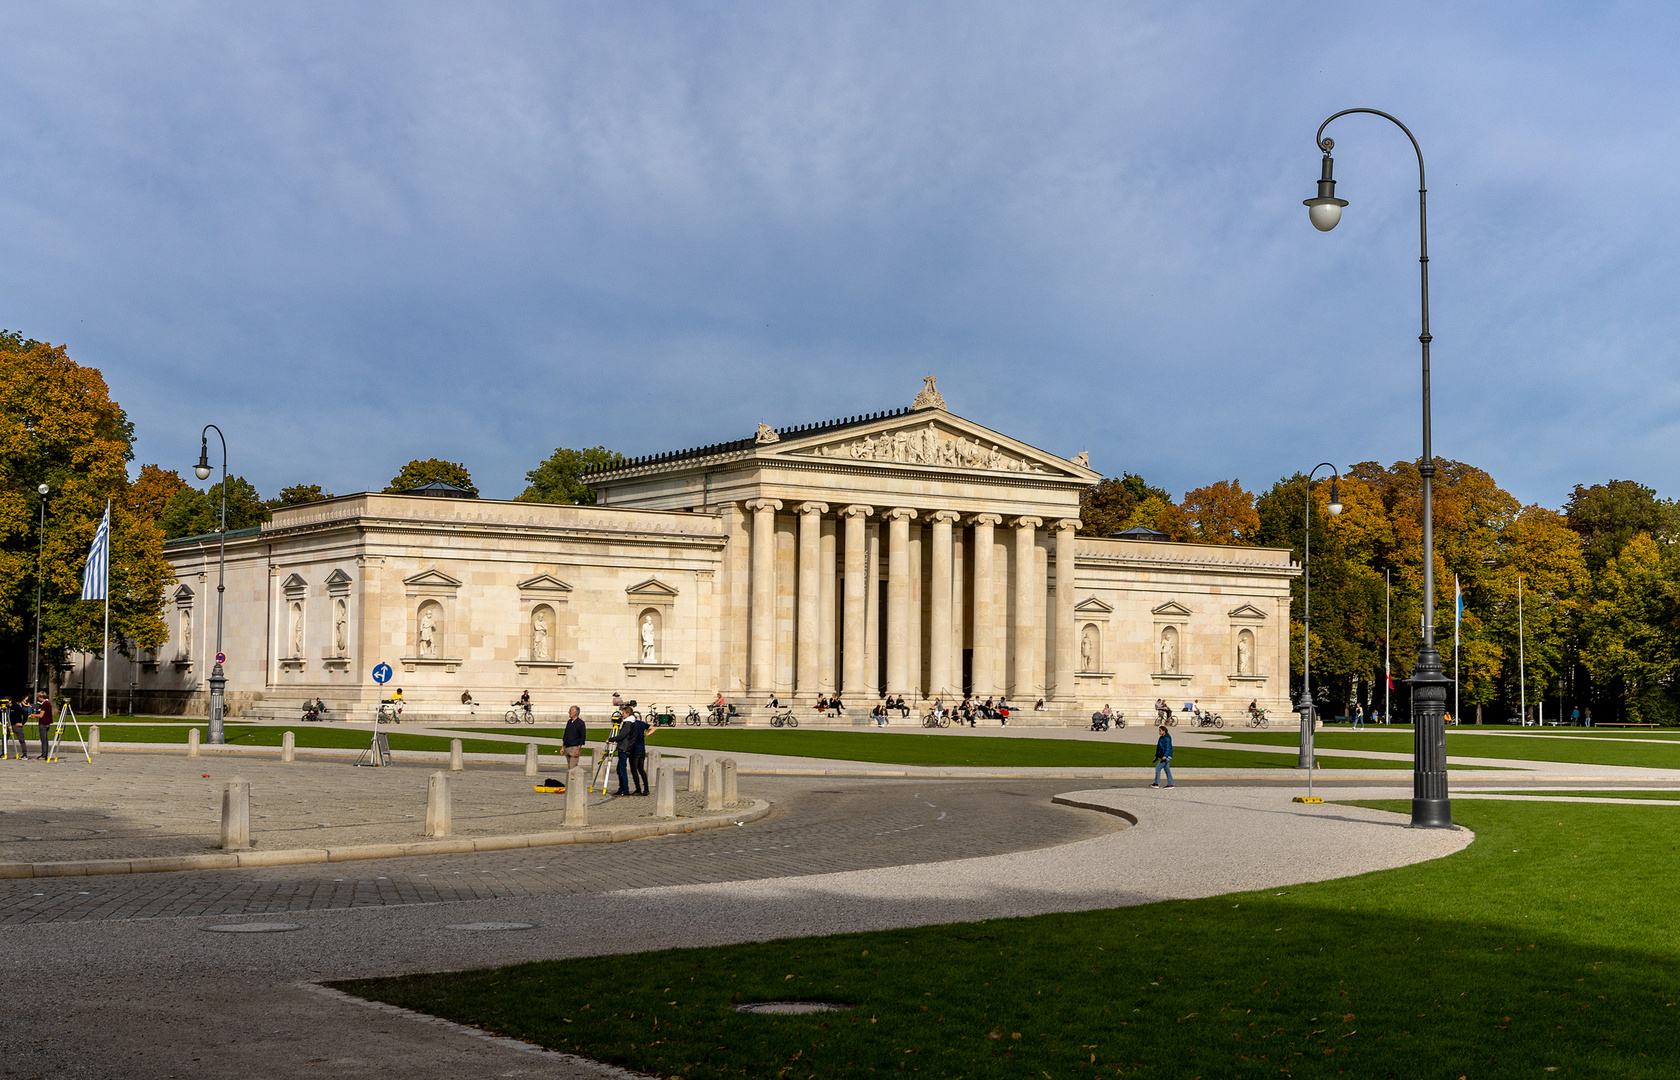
(926, 444)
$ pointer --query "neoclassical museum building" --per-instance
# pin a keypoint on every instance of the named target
(908, 552)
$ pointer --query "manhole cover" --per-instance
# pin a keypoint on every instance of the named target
(492, 926)
(784, 1008)
(253, 928)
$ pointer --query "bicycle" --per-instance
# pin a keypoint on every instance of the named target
(936, 719)
(1257, 718)
(659, 719)
(310, 712)
(784, 718)
(388, 713)
(719, 717)
(519, 713)
(693, 717)
(1209, 719)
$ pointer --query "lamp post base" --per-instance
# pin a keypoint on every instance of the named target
(1432, 814)
(218, 684)
(1431, 807)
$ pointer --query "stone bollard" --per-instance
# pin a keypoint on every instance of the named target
(730, 792)
(577, 796)
(93, 741)
(457, 760)
(665, 792)
(530, 759)
(192, 742)
(236, 815)
(714, 786)
(438, 804)
(288, 746)
(652, 766)
(696, 769)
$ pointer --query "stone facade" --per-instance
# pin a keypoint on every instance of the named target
(911, 552)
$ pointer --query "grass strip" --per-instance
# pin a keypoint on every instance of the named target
(308, 738)
(1464, 744)
(891, 748)
(1667, 794)
(1543, 949)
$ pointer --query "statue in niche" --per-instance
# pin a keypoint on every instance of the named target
(186, 634)
(428, 632)
(1088, 650)
(539, 635)
(1245, 649)
(647, 640)
(341, 633)
(297, 629)
(1169, 651)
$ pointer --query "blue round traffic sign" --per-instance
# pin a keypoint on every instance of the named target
(382, 673)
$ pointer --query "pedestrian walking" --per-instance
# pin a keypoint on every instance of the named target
(1163, 758)
(574, 738)
(18, 716)
(1358, 715)
(1575, 716)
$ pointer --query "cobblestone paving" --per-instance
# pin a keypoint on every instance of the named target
(843, 825)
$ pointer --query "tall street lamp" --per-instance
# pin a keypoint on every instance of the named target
(40, 559)
(218, 680)
(1431, 808)
(1304, 705)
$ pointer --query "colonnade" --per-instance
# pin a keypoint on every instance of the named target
(1007, 611)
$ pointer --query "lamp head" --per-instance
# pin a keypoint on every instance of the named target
(1335, 498)
(1326, 210)
(202, 469)
(43, 489)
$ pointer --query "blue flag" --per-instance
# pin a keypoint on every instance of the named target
(97, 572)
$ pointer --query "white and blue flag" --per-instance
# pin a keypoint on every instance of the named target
(97, 572)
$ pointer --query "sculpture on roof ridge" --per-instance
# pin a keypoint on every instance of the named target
(766, 434)
(929, 397)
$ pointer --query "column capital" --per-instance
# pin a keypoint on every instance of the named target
(813, 508)
(857, 510)
(764, 504)
(1067, 523)
(900, 513)
(939, 516)
(1029, 523)
(986, 519)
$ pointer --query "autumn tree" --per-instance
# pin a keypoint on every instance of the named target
(1606, 516)
(418, 472)
(559, 478)
(1221, 513)
(59, 427)
(151, 491)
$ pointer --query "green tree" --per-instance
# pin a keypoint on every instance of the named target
(558, 478)
(1108, 505)
(418, 472)
(298, 495)
(1607, 516)
(1627, 630)
(191, 512)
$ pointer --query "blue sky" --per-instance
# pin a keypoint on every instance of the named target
(355, 234)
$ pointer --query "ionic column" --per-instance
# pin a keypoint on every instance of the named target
(763, 601)
(1066, 638)
(855, 610)
(1027, 590)
(917, 632)
(981, 612)
(807, 602)
(939, 633)
(898, 600)
(872, 611)
(825, 608)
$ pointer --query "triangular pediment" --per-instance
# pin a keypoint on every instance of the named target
(294, 583)
(1092, 606)
(652, 589)
(338, 577)
(930, 438)
(1248, 611)
(432, 577)
(1173, 608)
(544, 583)
(183, 594)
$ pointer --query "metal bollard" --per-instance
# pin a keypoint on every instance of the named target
(665, 793)
(714, 786)
(577, 796)
(530, 759)
(696, 770)
(93, 740)
(438, 805)
(192, 742)
(457, 760)
(288, 746)
(236, 815)
(730, 792)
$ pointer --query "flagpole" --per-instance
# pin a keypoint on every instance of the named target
(1458, 616)
(105, 663)
(1522, 659)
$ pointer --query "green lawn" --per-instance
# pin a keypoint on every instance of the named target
(891, 748)
(1532, 747)
(1546, 948)
(1668, 794)
(307, 738)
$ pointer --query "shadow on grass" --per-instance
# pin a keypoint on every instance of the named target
(1546, 945)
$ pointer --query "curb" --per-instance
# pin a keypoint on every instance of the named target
(1062, 800)
(605, 834)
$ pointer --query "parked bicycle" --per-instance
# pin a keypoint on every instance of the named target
(1209, 719)
(659, 718)
(783, 717)
(519, 714)
(693, 717)
(389, 713)
(718, 716)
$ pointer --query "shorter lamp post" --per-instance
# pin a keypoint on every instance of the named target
(40, 561)
(218, 680)
(1304, 706)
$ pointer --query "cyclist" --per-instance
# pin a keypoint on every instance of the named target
(525, 702)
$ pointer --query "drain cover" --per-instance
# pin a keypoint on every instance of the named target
(253, 928)
(492, 926)
(784, 1008)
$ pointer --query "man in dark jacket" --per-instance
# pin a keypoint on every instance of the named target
(632, 756)
(576, 735)
(43, 719)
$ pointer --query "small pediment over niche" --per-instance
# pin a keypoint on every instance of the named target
(652, 589)
(1092, 606)
(338, 583)
(183, 594)
(294, 587)
(431, 582)
(1248, 611)
(546, 585)
(1174, 609)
